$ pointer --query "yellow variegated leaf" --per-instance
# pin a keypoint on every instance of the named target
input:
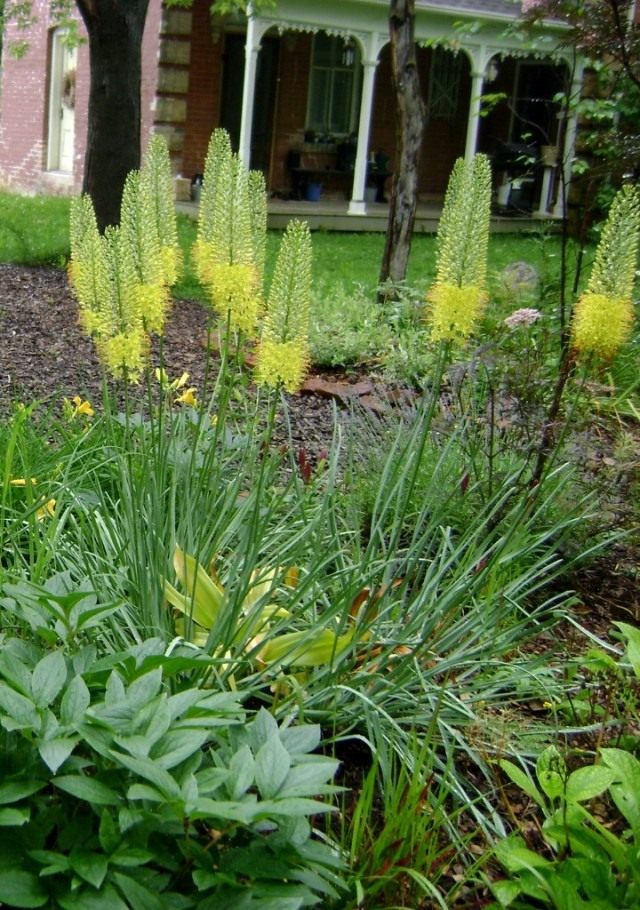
(208, 598)
(301, 649)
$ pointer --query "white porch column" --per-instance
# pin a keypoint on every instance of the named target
(252, 49)
(473, 120)
(357, 205)
(569, 144)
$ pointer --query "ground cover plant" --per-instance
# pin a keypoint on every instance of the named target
(239, 673)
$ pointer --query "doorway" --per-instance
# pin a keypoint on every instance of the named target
(62, 99)
(265, 94)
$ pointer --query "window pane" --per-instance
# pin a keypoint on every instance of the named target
(342, 95)
(319, 93)
(323, 50)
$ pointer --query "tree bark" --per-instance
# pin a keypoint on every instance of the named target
(410, 118)
(115, 29)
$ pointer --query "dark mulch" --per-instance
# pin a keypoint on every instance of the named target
(44, 355)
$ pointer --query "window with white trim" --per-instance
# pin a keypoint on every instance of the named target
(334, 87)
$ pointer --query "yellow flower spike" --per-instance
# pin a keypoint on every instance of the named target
(601, 324)
(47, 510)
(22, 481)
(283, 353)
(234, 294)
(454, 311)
(603, 316)
(457, 300)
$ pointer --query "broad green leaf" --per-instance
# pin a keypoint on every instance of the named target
(75, 702)
(632, 635)
(522, 780)
(15, 672)
(114, 693)
(514, 855)
(12, 791)
(54, 752)
(21, 711)
(136, 895)
(145, 688)
(88, 789)
(272, 764)
(551, 772)
(90, 899)
(92, 867)
(178, 745)
(108, 832)
(49, 676)
(242, 772)
(151, 772)
(147, 792)
(14, 818)
(301, 739)
(21, 889)
(625, 789)
(310, 779)
(587, 782)
(130, 857)
(292, 806)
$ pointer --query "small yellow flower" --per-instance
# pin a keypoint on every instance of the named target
(170, 385)
(601, 324)
(22, 481)
(455, 311)
(47, 510)
(81, 407)
(188, 397)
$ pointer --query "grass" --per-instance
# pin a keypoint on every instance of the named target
(35, 231)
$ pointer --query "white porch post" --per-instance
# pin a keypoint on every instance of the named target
(569, 145)
(357, 205)
(252, 49)
(475, 103)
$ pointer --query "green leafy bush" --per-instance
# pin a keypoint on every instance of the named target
(121, 788)
(591, 864)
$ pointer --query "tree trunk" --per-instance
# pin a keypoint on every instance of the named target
(115, 30)
(410, 117)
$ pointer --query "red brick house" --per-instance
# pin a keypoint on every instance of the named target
(305, 92)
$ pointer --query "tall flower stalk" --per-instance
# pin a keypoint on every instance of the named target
(230, 246)
(122, 279)
(283, 351)
(458, 297)
(603, 316)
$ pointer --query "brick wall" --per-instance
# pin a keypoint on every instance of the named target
(24, 104)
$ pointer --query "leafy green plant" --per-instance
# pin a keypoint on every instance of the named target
(590, 863)
(120, 790)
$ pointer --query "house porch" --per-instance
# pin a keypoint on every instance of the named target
(333, 215)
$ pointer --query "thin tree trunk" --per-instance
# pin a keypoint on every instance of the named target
(115, 30)
(410, 117)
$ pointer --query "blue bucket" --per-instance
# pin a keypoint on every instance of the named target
(314, 191)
